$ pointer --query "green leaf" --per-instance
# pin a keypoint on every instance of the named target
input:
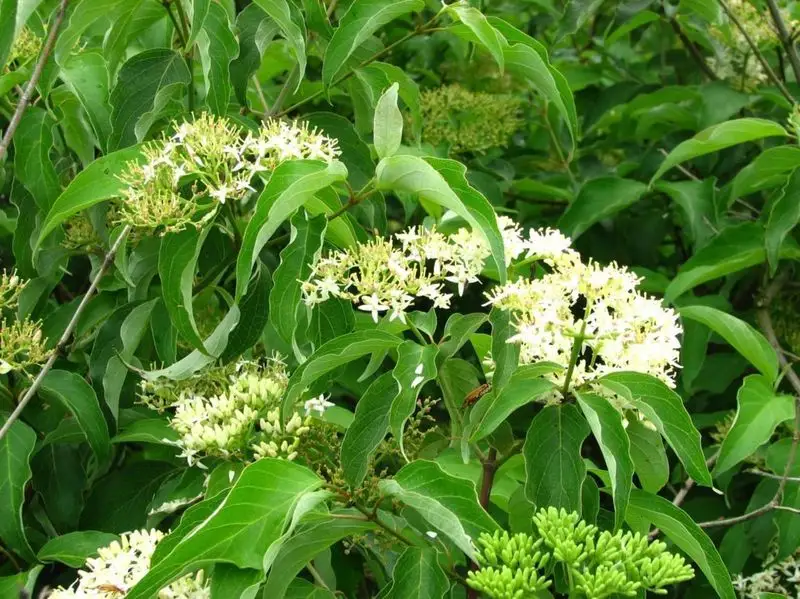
(230, 582)
(696, 200)
(606, 424)
(7, 28)
(664, 408)
(681, 530)
(177, 264)
(783, 217)
(21, 584)
(254, 308)
(491, 39)
(504, 354)
(198, 15)
(303, 589)
(241, 530)
(218, 48)
(525, 386)
(409, 92)
(331, 355)
(768, 169)
(74, 548)
(416, 364)
(457, 331)
(79, 398)
(147, 430)
(369, 428)
(15, 472)
(760, 411)
(363, 19)
(95, 184)
(640, 18)
(297, 258)
(146, 84)
(735, 248)
(599, 199)
(417, 574)
(83, 16)
(280, 11)
(311, 539)
(86, 75)
(740, 335)
(718, 137)
(443, 182)
(447, 503)
(649, 457)
(255, 30)
(554, 468)
(388, 124)
(33, 142)
(291, 185)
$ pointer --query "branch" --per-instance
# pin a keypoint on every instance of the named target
(785, 37)
(695, 53)
(62, 342)
(754, 47)
(34, 80)
(489, 470)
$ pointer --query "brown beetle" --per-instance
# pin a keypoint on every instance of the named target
(474, 395)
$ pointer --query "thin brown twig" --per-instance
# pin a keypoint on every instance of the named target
(65, 336)
(693, 51)
(785, 37)
(34, 80)
(489, 466)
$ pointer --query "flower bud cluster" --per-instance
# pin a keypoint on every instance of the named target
(186, 176)
(11, 287)
(781, 578)
(79, 232)
(26, 47)
(596, 310)
(601, 565)
(468, 121)
(120, 565)
(389, 276)
(22, 345)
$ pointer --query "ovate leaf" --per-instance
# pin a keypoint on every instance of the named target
(742, 337)
(218, 48)
(363, 19)
(719, 137)
(418, 575)
(599, 199)
(606, 424)
(681, 530)
(280, 11)
(664, 408)
(649, 457)
(15, 472)
(86, 74)
(768, 169)
(759, 412)
(554, 468)
(783, 217)
(241, 530)
(75, 394)
(388, 124)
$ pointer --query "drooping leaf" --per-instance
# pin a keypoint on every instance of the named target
(86, 74)
(33, 142)
(249, 520)
(599, 199)
(291, 185)
(769, 169)
(606, 424)
(16, 448)
(363, 19)
(388, 124)
(681, 530)
(554, 468)
(418, 575)
(783, 217)
(146, 85)
(504, 354)
(75, 394)
(254, 307)
(649, 457)
(74, 548)
(283, 14)
(742, 337)
(218, 48)
(760, 410)
(696, 200)
(483, 30)
(718, 137)
(664, 408)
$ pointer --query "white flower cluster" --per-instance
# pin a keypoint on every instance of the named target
(782, 578)
(617, 327)
(208, 162)
(391, 275)
(120, 565)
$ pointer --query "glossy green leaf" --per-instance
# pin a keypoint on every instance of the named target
(218, 47)
(74, 548)
(249, 520)
(606, 424)
(690, 538)
(783, 217)
(719, 137)
(760, 411)
(75, 394)
(664, 408)
(147, 430)
(146, 87)
(97, 183)
(599, 199)
(85, 14)
(388, 124)
(16, 448)
(449, 504)
(418, 575)
(291, 185)
(554, 468)
(742, 337)
(363, 19)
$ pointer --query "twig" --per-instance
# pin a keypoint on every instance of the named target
(34, 80)
(557, 145)
(62, 342)
(284, 93)
(681, 168)
(695, 53)
(785, 37)
(489, 469)
(260, 93)
(754, 47)
(789, 479)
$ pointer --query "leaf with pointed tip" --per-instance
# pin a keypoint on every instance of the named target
(74, 548)
(218, 48)
(769, 169)
(599, 199)
(33, 167)
(418, 575)
(86, 74)
(649, 457)
(783, 217)
(16, 448)
(388, 123)
(287, 17)
(483, 30)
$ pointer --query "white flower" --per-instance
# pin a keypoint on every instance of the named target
(318, 404)
(220, 194)
(372, 304)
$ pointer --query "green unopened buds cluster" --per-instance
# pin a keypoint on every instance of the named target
(11, 287)
(22, 343)
(25, 48)
(599, 565)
